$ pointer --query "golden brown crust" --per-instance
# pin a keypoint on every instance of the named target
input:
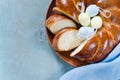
(88, 2)
(67, 7)
(100, 45)
(115, 18)
(104, 41)
(88, 50)
(108, 3)
(76, 1)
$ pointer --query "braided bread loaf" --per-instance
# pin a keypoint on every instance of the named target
(106, 38)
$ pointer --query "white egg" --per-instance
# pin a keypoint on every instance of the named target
(86, 32)
(92, 10)
(96, 22)
(84, 19)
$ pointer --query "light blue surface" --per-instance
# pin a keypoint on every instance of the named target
(108, 69)
(24, 50)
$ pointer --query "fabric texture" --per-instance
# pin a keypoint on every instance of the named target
(108, 69)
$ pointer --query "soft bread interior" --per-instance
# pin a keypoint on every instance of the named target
(58, 25)
(68, 40)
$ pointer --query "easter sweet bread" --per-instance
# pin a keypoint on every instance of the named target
(56, 22)
(97, 31)
(68, 8)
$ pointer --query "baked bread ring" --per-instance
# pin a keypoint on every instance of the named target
(106, 38)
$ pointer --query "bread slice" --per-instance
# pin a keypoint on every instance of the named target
(88, 49)
(66, 14)
(79, 48)
(68, 8)
(57, 22)
(66, 40)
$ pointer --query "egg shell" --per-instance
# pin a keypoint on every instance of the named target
(92, 10)
(84, 19)
(86, 32)
(96, 22)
